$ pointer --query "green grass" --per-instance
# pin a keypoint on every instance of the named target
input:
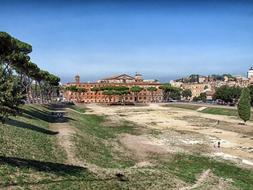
(221, 111)
(166, 174)
(208, 110)
(97, 126)
(186, 167)
(30, 157)
(78, 108)
(31, 173)
(29, 151)
(96, 140)
(184, 106)
(29, 136)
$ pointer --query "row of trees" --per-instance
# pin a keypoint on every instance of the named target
(21, 80)
(110, 91)
(202, 97)
(227, 94)
(231, 94)
(244, 97)
(175, 93)
(169, 92)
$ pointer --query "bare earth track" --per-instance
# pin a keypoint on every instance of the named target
(64, 137)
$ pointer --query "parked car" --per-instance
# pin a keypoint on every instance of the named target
(172, 100)
(232, 104)
(221, 102)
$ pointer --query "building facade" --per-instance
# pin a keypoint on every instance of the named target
(250, 73)
(200, 84)
(91, 96)
(198, 88)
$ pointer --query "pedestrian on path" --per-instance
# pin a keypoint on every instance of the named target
(218, 144)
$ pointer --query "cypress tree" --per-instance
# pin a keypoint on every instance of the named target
(244, 107)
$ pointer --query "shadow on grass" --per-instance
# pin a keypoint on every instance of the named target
(44, 115)
(80, 174)
(41, 166)
(24, 125)
(36, 113)
(57, 168)
(55, 106)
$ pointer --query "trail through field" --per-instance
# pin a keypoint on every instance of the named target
(203, 177)
(65, 134)
(208, 181)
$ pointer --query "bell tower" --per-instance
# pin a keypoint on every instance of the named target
(138, 77)
(77, 79)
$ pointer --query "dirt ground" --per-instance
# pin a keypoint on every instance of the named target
(64, 137)
(180, 130)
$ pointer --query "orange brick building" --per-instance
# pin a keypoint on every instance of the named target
(90, 96)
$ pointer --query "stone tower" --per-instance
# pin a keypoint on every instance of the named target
(138, 77)
(77, 79)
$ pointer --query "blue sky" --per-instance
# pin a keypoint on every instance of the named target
(160, 39)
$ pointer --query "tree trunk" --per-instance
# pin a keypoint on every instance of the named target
(41, 94)
(36, 91)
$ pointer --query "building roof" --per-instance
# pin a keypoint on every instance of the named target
(126, 84)
(131, 81)
(122, 76)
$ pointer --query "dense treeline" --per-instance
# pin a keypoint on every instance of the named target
(228, 94)
(175, 93)
(120, 91)
(21, 80)
(169, 92)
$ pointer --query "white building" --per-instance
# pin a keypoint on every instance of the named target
(176, 84)
(250, 73)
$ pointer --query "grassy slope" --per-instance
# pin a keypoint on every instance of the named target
(29, 136)
(95, 142)
(77, 108)
(31, 158)
(221, 111)
(187, 167)
(29, 152)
